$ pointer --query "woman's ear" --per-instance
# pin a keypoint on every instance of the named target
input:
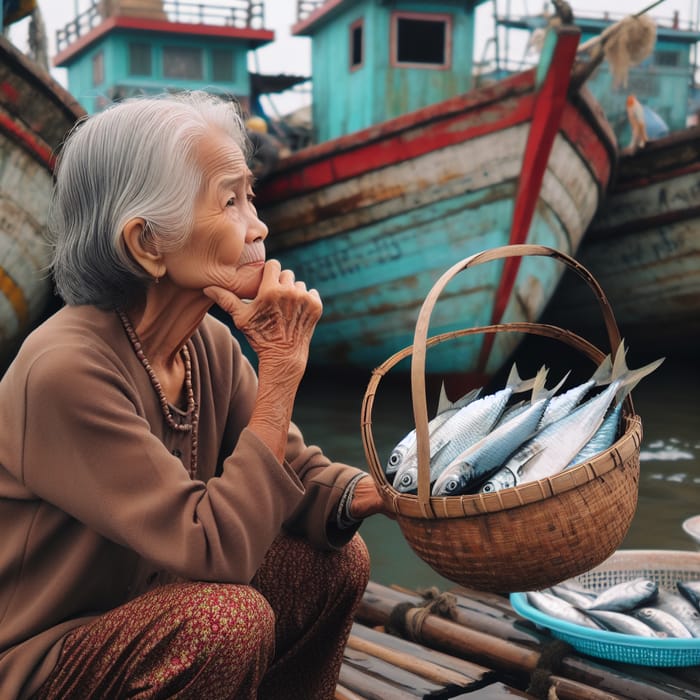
(139, 242)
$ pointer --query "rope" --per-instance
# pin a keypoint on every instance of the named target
(406, 619)
(549, 664)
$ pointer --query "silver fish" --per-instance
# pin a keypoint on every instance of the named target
(680, 608)
(477, 462)
(445, 411)
(563, 404)
(575, 598)
(462, 429)
(604, 437)
(622, 623)
(661, 621)
(553, 447)
(625, 596)
(551, 605)
(690, 590)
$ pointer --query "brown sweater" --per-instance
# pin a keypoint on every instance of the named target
(96, 504)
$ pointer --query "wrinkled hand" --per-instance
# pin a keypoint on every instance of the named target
(367, 500)
(279, 322)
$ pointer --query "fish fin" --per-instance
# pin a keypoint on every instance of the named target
(444, 404)
(603, 373)
(436, 449)
(539, 390)
(513, 376)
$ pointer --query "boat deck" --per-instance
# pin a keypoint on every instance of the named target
(464, 644)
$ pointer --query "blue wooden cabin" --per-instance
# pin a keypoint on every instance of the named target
(118, 48)
(664, 81)
(374, 60)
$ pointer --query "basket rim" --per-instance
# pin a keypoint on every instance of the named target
(527, 493)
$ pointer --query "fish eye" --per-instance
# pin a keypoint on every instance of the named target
(488, 487)
(451, 485)
(406, 480)
(394, 458)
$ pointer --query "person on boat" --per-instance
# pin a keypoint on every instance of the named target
(166, 530)
(266, 149)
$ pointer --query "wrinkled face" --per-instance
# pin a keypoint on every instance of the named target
(226, 247)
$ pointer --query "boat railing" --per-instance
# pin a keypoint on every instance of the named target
(307, 7)
(243, 14)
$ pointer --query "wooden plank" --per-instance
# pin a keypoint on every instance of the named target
(566, 689)
(466, 668)
(371, 687)
(342, 693)
(401, 679)
(430, 671)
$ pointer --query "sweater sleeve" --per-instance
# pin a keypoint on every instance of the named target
(324, 483)
(88, 450)
(324, 480)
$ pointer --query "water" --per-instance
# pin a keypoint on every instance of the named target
(329, 412)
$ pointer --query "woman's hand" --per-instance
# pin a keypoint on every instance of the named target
(279, 322)
(367, 500)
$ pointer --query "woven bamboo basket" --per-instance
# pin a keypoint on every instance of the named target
(532, 535)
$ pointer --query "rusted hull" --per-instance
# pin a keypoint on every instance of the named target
(644, 248)
(373, 219)
(35, 114)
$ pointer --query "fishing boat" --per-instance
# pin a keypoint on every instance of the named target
(404, 179)
(35, 114)
(644, 249)
(643, 245)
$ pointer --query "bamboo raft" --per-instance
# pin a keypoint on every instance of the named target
(469, 644)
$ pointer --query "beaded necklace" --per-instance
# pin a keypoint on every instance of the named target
(192, 410)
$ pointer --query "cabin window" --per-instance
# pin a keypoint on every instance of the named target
(98, 68)
(182, 63)
(421, 40)
(222, 65)
(139, 59)
(667, 58)
(356, 44)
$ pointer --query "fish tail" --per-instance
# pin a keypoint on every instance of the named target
(627, 378)
(444, 404)
(517, 385)
(540, 391)
(603, 374)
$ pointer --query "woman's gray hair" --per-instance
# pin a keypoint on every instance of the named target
(135, 159)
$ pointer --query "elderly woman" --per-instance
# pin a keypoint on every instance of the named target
(166, 530)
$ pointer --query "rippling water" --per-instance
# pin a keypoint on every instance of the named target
(668, 401)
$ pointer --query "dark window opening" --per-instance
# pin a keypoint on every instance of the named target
(222, 65)
(667, 58)
(356, 46)
(420, 41)
(182, 63)
(139, 59)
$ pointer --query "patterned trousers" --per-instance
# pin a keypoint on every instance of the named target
(281, 637)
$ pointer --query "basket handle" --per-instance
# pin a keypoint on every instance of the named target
(420, 408)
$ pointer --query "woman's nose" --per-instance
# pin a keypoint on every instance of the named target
(257, 229)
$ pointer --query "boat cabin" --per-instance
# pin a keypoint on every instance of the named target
(373, 60)
(663, 82)
(118, 48)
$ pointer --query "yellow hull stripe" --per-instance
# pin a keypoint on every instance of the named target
(14, 295)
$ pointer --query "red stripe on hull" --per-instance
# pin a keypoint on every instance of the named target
(34, 146)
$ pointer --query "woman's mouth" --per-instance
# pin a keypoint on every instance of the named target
(253, 254)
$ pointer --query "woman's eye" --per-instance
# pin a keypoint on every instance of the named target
(231, 202)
